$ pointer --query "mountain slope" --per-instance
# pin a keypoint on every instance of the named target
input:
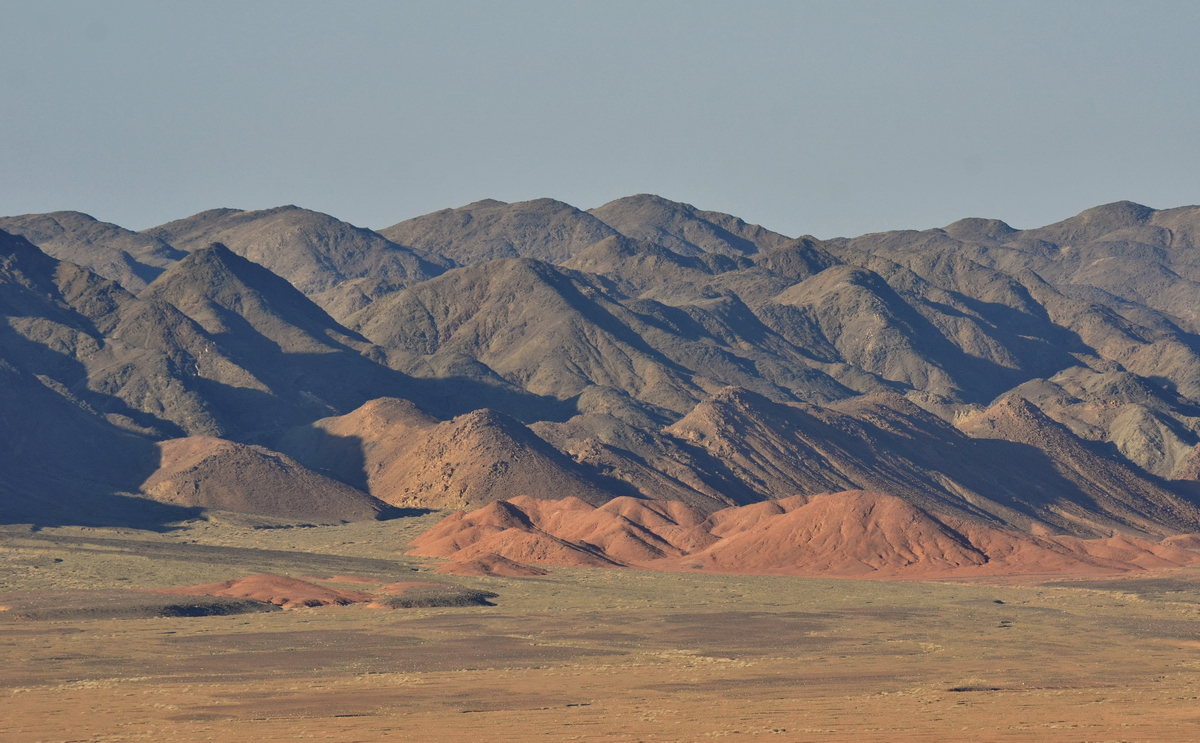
(648, 270)
(683, 228)
(204, 472)
(407, 458)
(885, 443)
(338, 265)
(142, 364)
(1150, 426)
(1102, 486)
(555, 333)
(544, 229)
(1121, 277)
(128, 258)
(310, 365)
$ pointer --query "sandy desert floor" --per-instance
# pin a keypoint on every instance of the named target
(584, 654)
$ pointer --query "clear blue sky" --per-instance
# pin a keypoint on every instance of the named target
(823, 118)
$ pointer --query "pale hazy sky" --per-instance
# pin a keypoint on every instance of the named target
(823, 118)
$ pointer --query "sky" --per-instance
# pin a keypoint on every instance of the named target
(822, 118)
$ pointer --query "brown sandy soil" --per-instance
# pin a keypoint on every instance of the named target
(584, 654)
(30, 606)
(633, 656)
(853, 534)
(357, 579)
(405, 585)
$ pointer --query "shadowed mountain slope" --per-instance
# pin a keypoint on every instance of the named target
(650, 464)
(527, 323)
(888, 444)
(222, 290)
(204, 472)
(907, 331)
(61, 462)
(142, 364)
(128, 258)
(1104, 486)
(874, 325)
(648, 270)
(309, 365)
(1150, 426)
(797, 259)
(1123, 277)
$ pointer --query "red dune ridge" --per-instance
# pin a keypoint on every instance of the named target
(850, 534)
(291, 593)
(492, 565)
(276, 589)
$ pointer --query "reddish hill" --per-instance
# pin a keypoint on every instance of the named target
(492, 565)
(569, 532)
(276, 589)
(207, 472)
(852, 534)
(407, 458)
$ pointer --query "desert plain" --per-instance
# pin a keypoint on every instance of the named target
(613, 654)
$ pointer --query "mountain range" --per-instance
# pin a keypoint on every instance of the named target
(286, 363)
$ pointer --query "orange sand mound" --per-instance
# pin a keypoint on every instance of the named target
(492, 565)
(1186, 541)
(276, 589)
(851, 534)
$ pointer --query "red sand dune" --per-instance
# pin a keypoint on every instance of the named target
(1187, 541)
(855, 533)
(276, 589)
(492, 565)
